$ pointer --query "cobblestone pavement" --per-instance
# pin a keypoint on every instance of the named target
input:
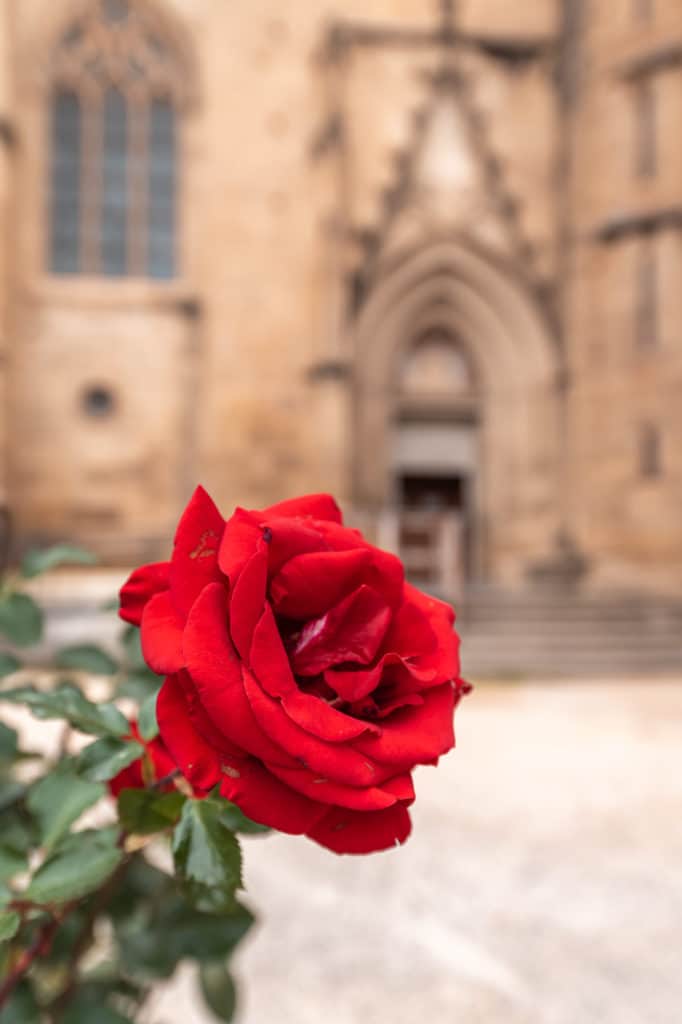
(542, 885)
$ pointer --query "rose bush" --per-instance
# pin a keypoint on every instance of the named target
(304, 676)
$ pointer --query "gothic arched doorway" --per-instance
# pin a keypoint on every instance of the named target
(456, 418)
(434, 457)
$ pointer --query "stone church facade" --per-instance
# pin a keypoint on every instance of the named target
(424, 255)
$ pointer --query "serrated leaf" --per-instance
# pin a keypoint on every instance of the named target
(218, 989)
(235, 819)
(79, 865)
(206, 854)
(86, 658)
(38, 561)
(21, 619)
(58, 799)
(145, 811)
(8, 664)
(68, 702)
(9, 924)
(106, 757)
(146, 722)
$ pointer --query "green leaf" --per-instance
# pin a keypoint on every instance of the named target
(10, 792)
(218, 989)
(18, 831)
(68, 702)
(8, 664)
(138, 684)
(86, 658)
(9, 924)
(145, 811)
(167, 930)
(11, 863)
(9, 743)
(236, 820)
(21, 620)
(58, 799)
(80, 864)
(146, 722)
(84, 1010)
(37, 561)
(132, 646)
(105, 758)
(22, 1007)
(206, 854)
(87, 1006)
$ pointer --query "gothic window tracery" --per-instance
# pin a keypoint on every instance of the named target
(116, 95)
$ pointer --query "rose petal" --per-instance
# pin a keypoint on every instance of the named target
(355, 684)
(351, 631)
(203, 724)
(268, 659)
(194, 563)
(411, 632)
(287, 538)
(436, 611)
(247, 600)
(316, 506)
(402, 701)
(415, 735)
(265, 799)
(240, 537)
(216, 671)
(443, 658)
(367, 798)
(161, 635)
(139, 588)
(337, 762)
(401, 786)
(385, 573)
(308, 585)
(345, 831)
(197, 761)
(314, 715)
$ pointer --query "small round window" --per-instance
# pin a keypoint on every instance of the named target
(98, 401)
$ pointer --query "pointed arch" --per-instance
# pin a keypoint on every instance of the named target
(508, 341)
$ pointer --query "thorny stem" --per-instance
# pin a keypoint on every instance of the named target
(176, 774)
(39, 947)
(83, 943)
(43, 941)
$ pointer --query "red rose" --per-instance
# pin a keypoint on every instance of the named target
(303, 674)
(155, 764)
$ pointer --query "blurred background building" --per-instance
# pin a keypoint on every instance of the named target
(424, 255)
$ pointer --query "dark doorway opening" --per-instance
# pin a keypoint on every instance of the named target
(435, 528)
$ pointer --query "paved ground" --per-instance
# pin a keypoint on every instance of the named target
(542, 885)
